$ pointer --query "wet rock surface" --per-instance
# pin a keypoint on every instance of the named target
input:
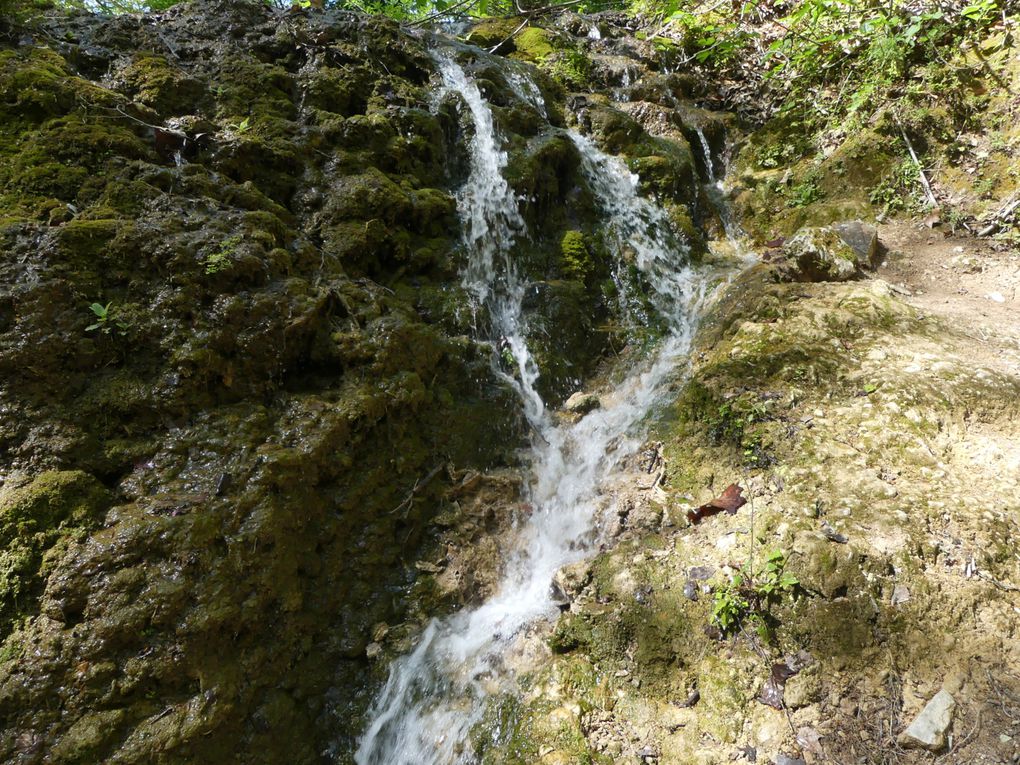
(247, 419)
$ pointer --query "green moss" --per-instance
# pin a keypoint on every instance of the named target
(248, 87)
(340, 91)
(152, 81)
(65, 159)
(534, 44)
(86, 738)
(724, 687)
(683, 223)
(35, 83)
(88, 238)
(571, 68)
(571, 632)
(666, 168)
(575, 260)
(33, 519)
(491, 32)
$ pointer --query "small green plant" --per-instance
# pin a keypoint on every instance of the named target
(747, 599)
(220, 259)
(107, 319)
(507, 357)
(984, 187)
(805, 193)
(241, 127)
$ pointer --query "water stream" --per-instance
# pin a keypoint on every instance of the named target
(715, 192)
(437, 693)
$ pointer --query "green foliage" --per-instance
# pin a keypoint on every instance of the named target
(240, 127)
(892, 194)
(507, 358)
(748, 597)
(112, 7)
(218, 261)
(107, 319)
(805, 192)
(834, 58)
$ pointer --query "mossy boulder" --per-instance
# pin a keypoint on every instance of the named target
(491, 33)
(153, 81)
(575, 258)
(35, 518)
(836, 253)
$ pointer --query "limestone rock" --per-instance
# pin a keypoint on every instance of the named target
(928, 730)
(862, 239)
(804, 688)
(572, 578)
(819, 565)
(836, 253)
(582, 403)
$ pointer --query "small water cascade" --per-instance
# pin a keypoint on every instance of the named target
(715, 192)
(707, 151)
(436, 694)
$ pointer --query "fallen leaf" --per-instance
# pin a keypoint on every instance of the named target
(772, 692)
(729, 501)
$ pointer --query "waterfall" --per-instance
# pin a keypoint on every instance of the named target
(435, 695)
(707, 151)
(491, 222)
(716, 195)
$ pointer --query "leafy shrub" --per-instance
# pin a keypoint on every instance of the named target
(747, 598)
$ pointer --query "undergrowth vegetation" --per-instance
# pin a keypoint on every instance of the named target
(835, 59)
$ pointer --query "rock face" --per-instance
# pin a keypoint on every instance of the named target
(928, 729)
(207, 468)
(852, 422)
(240, 378)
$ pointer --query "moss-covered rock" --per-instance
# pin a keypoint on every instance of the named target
(152, 81)
(36, 519)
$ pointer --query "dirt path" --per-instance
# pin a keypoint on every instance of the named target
(974, 284)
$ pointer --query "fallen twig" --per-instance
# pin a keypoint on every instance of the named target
(920, 170)
(419, 484)
(996, 583)
(509, 37)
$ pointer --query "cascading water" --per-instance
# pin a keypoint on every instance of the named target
(437, 693)
(716, 195)
(707, 150)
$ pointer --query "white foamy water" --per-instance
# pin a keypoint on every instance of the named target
(438, 692)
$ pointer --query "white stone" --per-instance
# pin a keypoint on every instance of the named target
(928, 730)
